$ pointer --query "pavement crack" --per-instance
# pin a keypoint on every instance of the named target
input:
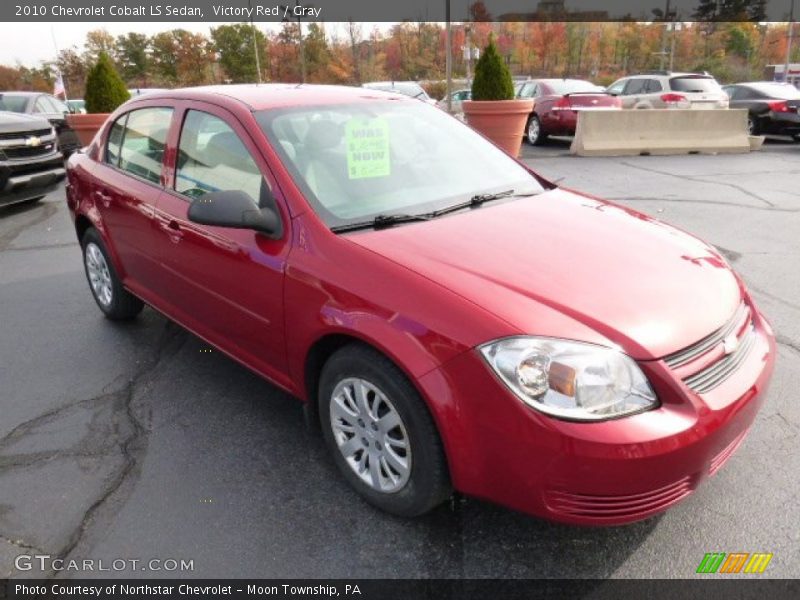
(782, 340)
(21, 544)
(743, 190)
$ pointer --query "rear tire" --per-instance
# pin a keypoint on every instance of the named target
(380, 433)
(533, 131)
(117, 303)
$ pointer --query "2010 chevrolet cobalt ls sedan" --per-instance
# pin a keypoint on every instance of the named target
(452, 319)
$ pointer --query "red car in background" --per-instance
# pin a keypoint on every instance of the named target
(451, 319)
(556, 103)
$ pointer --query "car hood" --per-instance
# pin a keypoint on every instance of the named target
(617, 276)
(11, 122)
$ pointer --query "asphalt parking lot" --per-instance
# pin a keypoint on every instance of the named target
(137, 441)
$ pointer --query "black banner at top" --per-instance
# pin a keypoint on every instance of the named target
(407, 10)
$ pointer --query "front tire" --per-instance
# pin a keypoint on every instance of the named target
(380, 433)
(753, 125)
(117, 303)
(533, 131)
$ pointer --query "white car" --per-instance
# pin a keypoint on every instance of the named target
(664, 89)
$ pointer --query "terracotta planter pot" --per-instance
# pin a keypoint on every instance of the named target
(502, 121)
(86, 126)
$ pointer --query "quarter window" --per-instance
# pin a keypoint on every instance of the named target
(212, 158)
(141, 150)
(635, 86)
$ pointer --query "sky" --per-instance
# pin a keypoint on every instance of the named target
(16, 38)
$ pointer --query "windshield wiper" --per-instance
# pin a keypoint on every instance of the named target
(383, 221)
(380, 222)
(479, 199)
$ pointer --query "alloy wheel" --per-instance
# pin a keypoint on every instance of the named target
(99, 275)
(370, 434)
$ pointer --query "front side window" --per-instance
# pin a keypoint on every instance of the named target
(42, 105)
(357, 161)
(141, 151)
(212, 158)
(616, 88)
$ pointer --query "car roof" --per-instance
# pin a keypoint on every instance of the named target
(260, 96)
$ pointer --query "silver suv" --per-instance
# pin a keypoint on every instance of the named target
(663, 89)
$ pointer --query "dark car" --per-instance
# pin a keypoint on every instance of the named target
(556, 103)
(450, 319)
(30, 164)
(49, 107)
(772, 107)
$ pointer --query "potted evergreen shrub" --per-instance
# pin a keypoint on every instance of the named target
(105, 91)
(493, 110)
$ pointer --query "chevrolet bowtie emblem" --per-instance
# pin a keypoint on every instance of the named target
(33, 141)
(730, 344)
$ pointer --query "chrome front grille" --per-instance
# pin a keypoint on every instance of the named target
(739, 329)
(710, 377)
(708, 343)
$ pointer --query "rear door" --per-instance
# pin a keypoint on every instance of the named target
(225, 284)
(128, 180)
(633, 92)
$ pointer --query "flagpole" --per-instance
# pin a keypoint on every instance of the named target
(60, 74)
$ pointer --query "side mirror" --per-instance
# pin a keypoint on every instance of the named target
(235, 209)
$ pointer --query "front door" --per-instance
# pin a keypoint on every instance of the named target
(225, 284)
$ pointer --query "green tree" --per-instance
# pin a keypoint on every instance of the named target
(105, 90)
(492, 78)
(234, 43)
(317, 53)
(132, 56)
(164, 57)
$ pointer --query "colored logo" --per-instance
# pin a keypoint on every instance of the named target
(735, 562)
(33, 141)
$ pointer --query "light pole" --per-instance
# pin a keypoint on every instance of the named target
(448, 60)
(789, 42)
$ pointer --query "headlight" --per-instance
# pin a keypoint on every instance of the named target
(570, 380)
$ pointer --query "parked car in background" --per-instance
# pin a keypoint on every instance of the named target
(77, 106)
(451, 319)
(664, 89)
(31, 165)
(457, 98)
(556, 104)
(772, 107)
(407, 88)
(48, 107)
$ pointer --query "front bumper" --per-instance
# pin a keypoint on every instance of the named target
(606, 473)
(25, 180)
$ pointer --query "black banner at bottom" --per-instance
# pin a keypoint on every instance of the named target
(710, 588)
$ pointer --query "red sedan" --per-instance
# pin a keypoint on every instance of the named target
(450, 318)
(556, 104)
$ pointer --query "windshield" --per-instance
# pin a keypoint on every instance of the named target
(357, 161)
(694, 84)
(13, 103)
(571, 86)
(784, 91)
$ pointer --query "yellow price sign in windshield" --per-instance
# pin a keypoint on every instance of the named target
(367, 148)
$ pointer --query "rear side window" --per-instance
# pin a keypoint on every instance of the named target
(653, 86)
(212, 158)
(141, 150)
(694, 84)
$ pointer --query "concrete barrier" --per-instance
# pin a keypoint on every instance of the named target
(660, 132)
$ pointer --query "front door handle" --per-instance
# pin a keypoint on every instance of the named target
(174, 231)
